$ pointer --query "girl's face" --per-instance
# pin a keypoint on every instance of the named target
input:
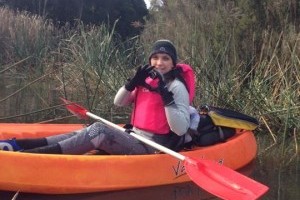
(162, 62)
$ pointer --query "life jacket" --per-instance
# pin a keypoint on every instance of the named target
(149, 111)
(189, 78)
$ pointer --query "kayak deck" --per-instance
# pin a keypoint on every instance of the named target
(67, 174)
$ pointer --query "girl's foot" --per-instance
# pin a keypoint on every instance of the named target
(9, 145)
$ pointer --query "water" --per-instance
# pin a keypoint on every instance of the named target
(284, 185)
(176, 192)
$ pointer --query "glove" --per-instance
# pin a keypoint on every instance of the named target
(166, 95)
(162, 89)
(139, 78)
(128, 128)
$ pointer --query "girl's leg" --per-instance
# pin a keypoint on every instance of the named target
(52, 146)
(57, 138)
(25, 144)
(22, 144)
(103, 137)
(31, 143)
(96, 136)
(117, 142)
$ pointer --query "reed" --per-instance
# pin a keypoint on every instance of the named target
(85, 62)
(94, 65)
(26, 50)
(25, 36)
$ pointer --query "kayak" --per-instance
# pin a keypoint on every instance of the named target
(73, 174)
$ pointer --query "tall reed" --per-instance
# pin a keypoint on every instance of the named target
(94, 65)
(26, 44)
(40, 63)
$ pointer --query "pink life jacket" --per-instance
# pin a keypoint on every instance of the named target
(189, 77)
(149, 111)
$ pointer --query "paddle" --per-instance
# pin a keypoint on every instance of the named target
(209, 175)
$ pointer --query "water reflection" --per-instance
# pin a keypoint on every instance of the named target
(187, 191)
(284, 183)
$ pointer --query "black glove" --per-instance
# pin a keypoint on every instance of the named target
(139, 78)
(128, 128)
(162, 89)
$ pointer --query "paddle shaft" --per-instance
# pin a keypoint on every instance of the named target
(140, 138)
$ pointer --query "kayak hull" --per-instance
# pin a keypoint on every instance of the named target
(70, 174)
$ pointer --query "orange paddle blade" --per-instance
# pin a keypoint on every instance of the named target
(222, 181)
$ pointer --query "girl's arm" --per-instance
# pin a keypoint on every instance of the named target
(124, 97)
(178, 113)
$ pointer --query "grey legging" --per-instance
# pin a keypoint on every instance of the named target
(100, 136)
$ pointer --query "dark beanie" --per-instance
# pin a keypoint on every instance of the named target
(164, 46)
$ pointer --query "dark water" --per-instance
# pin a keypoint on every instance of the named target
(284, 185)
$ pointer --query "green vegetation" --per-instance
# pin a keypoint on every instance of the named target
(246, 55)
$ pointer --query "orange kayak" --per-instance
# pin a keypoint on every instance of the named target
(70, 174)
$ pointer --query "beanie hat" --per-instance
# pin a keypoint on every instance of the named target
(164, 46)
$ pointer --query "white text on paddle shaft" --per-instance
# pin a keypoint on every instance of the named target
(179, 169)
